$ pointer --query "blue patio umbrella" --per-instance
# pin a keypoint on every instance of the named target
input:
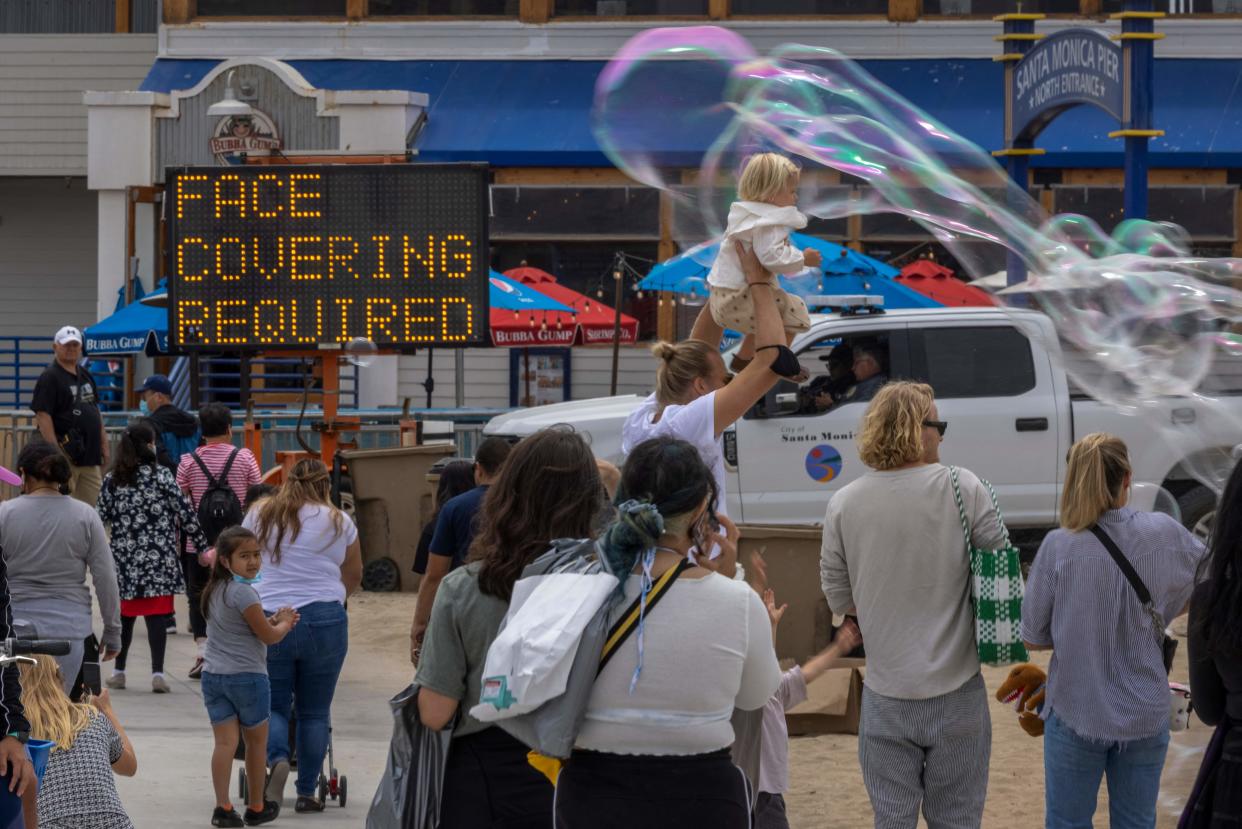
(845, 271)
(510, 295)
(134, 329)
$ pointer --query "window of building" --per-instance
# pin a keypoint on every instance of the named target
(271, 8)
(557, 212)
(808, 7)
(984, 361)
(497, 8)
(73, 16)
(631, 8)
(1207, 213)
(962, 8)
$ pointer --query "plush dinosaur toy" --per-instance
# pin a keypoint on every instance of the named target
(1025, 688)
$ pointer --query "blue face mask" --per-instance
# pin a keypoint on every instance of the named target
(243, 580)
(142, 406)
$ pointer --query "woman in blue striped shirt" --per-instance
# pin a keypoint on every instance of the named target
(1107, 705)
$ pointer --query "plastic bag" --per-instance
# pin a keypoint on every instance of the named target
(530, 659)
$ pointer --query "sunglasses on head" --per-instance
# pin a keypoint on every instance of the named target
(939, 425)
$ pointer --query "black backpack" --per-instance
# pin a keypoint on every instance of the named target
(220, 508)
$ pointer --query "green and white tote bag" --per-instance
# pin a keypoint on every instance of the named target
(995, 590)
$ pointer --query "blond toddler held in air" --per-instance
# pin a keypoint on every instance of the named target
(762, 218)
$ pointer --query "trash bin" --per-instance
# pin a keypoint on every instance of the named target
(392, 500)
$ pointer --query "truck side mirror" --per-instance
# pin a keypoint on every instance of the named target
(781, 400)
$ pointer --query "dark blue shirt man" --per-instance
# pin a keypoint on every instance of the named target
(454, 534)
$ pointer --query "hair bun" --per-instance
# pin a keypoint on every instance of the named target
(665, 351)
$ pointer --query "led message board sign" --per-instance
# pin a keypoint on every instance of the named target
(310, 257)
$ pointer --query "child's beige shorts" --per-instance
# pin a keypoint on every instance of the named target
(734, 308)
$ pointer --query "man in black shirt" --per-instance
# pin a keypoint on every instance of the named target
(66, 411)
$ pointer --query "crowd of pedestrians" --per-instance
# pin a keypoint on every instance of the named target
(683, 722)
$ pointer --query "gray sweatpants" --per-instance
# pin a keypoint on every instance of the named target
(930, 752)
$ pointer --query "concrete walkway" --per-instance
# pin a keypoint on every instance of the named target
(172, 736)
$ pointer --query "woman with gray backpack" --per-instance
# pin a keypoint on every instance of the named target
(215, 477)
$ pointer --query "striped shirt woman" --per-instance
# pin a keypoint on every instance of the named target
(1107, 703)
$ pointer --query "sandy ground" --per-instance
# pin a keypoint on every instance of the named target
(173, 742)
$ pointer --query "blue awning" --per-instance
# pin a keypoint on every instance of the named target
(537, 112)
(134, 329)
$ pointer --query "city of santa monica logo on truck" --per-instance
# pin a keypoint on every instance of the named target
(823, 463)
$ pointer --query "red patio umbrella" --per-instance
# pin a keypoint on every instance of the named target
(939, 283)
(532, 328)
(594, 320)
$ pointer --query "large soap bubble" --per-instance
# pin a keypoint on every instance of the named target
(1138, 318)
(1135, 309)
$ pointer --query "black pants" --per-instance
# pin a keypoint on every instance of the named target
(196, 577)
(157, 638)
(488, 783)
(614, 791)
(770, 811)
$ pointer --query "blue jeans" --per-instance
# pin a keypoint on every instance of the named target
(305, 666)
(1073, 766)
(246, 698)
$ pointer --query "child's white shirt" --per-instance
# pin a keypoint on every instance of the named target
(764, 228)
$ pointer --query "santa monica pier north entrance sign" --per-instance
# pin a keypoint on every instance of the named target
(1045, 75)
(314, 256)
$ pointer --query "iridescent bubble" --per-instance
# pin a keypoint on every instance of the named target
(1139, 319)
(1137, 316)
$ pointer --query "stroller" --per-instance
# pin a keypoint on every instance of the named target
(332, 785)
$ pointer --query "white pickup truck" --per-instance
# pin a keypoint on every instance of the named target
(1011, 409)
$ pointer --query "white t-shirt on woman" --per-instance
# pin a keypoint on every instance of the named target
(707, 649)
(309, 569)
(695, 423)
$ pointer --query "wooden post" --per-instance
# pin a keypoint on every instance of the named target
(617, 275)
(666, 313)
(177, 12)
(123, 15)
(1091, 8)
(356, 9)
(718, 9)
(535, 11)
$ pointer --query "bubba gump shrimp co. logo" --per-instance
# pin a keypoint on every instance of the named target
(244, 134)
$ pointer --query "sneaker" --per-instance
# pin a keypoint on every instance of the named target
(171, 628)
(226, 817)
(271, 811)
(308, 804)
(159, 685)
(197, 671)
(116, 682)
(275, 789)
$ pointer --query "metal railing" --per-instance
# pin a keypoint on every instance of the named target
(220, 378)
(23, 359)
(380, 429)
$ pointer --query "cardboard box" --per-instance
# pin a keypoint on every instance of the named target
(792, 556)
(833, 704)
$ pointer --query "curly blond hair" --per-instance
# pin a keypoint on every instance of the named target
(892, 428)
(764, 176)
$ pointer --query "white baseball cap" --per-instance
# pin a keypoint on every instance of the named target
(68, 334)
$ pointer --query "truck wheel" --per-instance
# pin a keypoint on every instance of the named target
(381, 576)
(1198, 507)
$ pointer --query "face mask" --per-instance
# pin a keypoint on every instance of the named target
(142, 406)
(243, 580)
